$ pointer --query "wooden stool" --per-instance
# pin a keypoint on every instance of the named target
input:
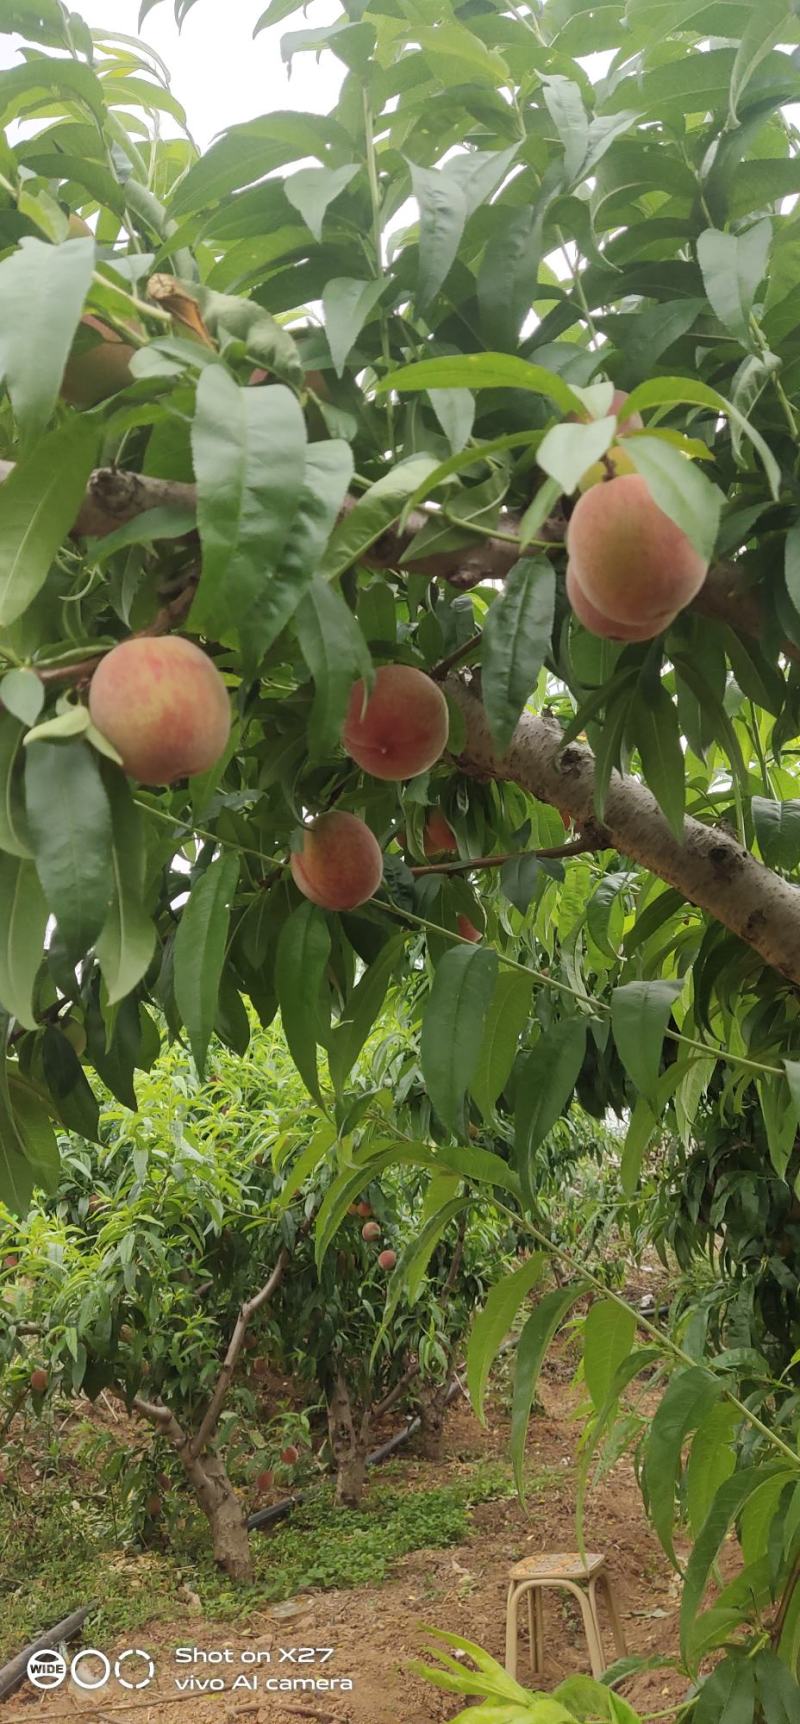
(570, 1573)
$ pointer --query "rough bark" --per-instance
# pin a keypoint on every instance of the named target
(348, 1446)
(212, 1488)
(432, 1399)
(706, 864)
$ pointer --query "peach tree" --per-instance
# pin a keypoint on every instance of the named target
(400, 587)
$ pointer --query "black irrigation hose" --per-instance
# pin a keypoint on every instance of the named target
(13, 1674)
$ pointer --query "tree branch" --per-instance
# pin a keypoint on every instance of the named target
(706, 864)
(211, 1416)
(592, 841)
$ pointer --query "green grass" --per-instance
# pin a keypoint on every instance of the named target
(55, 1555)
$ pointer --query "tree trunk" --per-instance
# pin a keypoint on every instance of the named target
(349, 1446)
(224, 1513)
(431, 1405)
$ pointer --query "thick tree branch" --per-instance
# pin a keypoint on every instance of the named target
(114, 497)
(707, 865)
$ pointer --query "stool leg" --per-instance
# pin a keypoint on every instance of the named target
(590, 1625)
(531, 1628)
(538, 1630)
(511, 1631)
(613, 1611)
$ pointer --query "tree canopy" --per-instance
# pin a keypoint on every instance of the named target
(322, 420)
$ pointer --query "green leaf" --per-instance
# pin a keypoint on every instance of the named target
(482, 371)
(792, 565)
(493, 1323)
(249, 449)
(329, 469)
(766, 27)
(777, 827)
(641, 1129)
(23, 921)
(39, 502)
(670, 390)
(70, 826)
(14, 835)
(566, 452)
(733, 267)
(608, 1336)
(688, 1400)
(640, 1012)
(361, 1011)
(376, 510)
(711, 1461)
(657, 731)
(337, 655)
(780, 1115)
(311, 190)
(778, 1688)
(42, 293)
(127, 942)
(248, 152)
(516, 638)
(28, 1148)
(453, 1025)
(507, 275)
(200, 945)
(455, 411)
(680, 488)
(533, 1344)
(564, 104)
(303, 951)
(728, 1695)
(443, 213)
(22, 694)
(548, 1076)
(505, 1021)
(725, 1509)
(413, 1262)
(346, 305)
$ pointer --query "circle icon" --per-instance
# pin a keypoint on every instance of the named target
(47, 1669)
(75, 1669)
(126, 1681)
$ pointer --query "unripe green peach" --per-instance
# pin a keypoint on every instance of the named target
(597, 624)
(340, 865)
(632, 563)
(616, 457)
(402, 730)
(94, 372)
(439, 839)
(165, 707)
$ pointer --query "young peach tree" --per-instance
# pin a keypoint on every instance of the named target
(400, 587)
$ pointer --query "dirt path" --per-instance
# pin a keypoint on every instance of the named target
(375, 1633)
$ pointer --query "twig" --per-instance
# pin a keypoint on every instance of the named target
(440, 670)
(581, 847)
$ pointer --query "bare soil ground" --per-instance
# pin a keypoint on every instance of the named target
(375, 1633)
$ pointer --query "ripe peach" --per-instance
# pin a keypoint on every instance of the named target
(340, 865)
(94, 372)
(439, 839)
(387, 1260)
(290, 1455)
(467, 929)
(260, 1367)
(39, 1381)
(265, 1480)
(163, 705)
(363, 1208)
(631, 562)
(11, 1261)
(153, 1506)
(403, 729)
(597, 624)
(619, 461)
(370, 1232)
